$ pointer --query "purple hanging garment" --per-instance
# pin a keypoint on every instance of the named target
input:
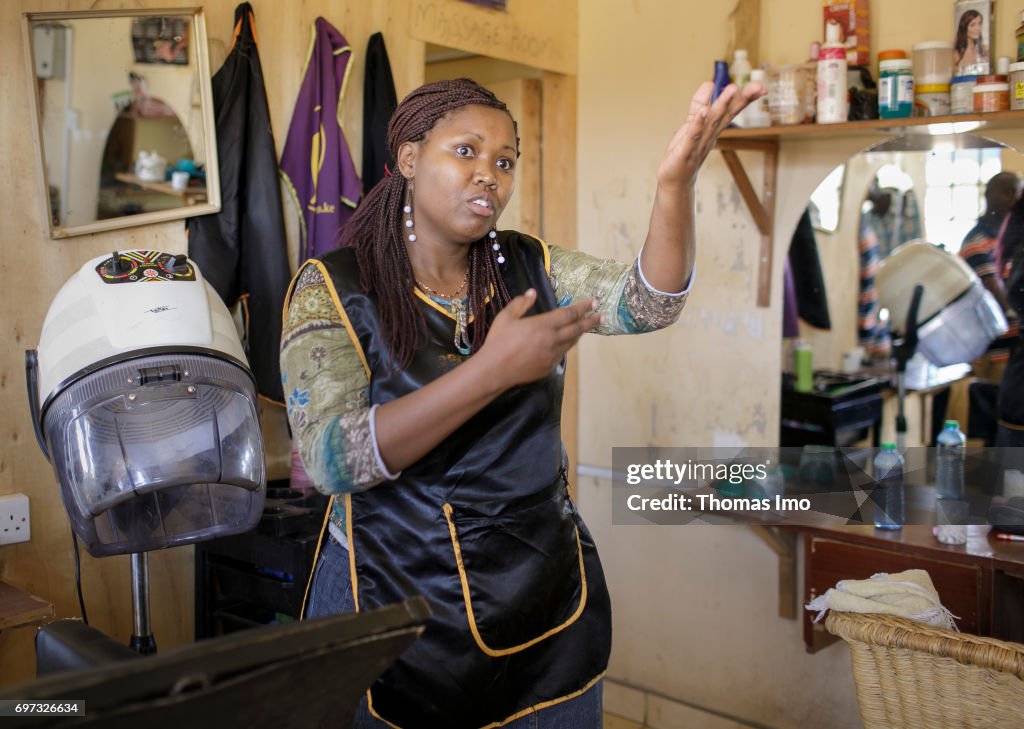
(316, 161)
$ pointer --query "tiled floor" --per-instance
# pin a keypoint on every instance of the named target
(630, 708)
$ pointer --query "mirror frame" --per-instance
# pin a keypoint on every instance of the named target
(213, 192)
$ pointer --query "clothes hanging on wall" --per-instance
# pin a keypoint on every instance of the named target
(316, 162)
(241, 250)
(803, 288)
(379, 102)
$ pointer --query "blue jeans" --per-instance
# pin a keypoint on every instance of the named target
(331, 593)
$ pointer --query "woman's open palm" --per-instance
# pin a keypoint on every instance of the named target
(693, 140)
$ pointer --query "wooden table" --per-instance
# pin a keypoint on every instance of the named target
(982, 581)
(18, 607)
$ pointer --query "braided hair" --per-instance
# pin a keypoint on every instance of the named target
(375, 228)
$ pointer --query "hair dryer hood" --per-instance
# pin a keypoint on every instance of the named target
(957, 319)
(148, 407)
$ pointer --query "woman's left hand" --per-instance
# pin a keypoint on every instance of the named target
(696, 137)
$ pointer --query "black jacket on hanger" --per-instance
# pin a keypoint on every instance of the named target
(379, 102)
(241, 250)
(808, 280)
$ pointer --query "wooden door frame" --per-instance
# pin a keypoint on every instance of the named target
(558, 219)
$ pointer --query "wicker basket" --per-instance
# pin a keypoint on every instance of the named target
(912, 675)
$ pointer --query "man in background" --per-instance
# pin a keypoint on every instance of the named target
(995, 233)
(980, 250)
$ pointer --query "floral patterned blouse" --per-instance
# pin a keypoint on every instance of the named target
(327, 388)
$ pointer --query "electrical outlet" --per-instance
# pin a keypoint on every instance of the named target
(14, 522)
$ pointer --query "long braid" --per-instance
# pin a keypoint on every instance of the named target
(374, 229)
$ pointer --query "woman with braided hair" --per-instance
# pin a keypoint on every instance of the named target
(423, 365)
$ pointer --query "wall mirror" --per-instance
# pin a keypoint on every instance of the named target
(936, 193)
(123, 117)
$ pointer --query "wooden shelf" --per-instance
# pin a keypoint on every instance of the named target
(960, 124)
(18, 607)
(767, 140)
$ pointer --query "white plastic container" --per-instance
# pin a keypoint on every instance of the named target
(756, 115)
(833, 102)
(932, 100)
(933, 63)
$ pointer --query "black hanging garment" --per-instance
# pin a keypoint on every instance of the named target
(241, 250)
(483, 527)
(808, 280)
(379, 102)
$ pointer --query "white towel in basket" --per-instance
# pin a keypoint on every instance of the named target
(909, 594)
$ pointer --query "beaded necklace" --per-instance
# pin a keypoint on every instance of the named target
(458, 309)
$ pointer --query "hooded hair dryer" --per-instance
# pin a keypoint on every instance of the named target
(144, 404)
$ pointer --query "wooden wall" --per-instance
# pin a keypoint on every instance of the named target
(35, 267)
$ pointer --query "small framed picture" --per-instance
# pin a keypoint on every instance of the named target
(161, 40)
(972, 44)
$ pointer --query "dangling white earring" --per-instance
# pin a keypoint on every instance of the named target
(493, 235)
(407, 211)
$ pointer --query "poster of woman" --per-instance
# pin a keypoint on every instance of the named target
(972, 49)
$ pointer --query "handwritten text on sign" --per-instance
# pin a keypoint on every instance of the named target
(497, 35)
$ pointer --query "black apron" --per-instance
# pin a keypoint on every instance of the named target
(484, 528)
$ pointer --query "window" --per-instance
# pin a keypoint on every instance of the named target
(955, 193)
(825, 201)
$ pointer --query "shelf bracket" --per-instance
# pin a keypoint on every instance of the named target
(762, 209)
(783, 543)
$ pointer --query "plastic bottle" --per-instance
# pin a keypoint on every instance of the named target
(757, 115)
(888, 493)
(949, 462)
(720, 79)
(803, 367)
(895, 88)
(740, 68)
(833, 104)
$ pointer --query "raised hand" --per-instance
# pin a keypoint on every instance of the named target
(696, 137)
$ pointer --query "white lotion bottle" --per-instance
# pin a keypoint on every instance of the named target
(833, 104)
